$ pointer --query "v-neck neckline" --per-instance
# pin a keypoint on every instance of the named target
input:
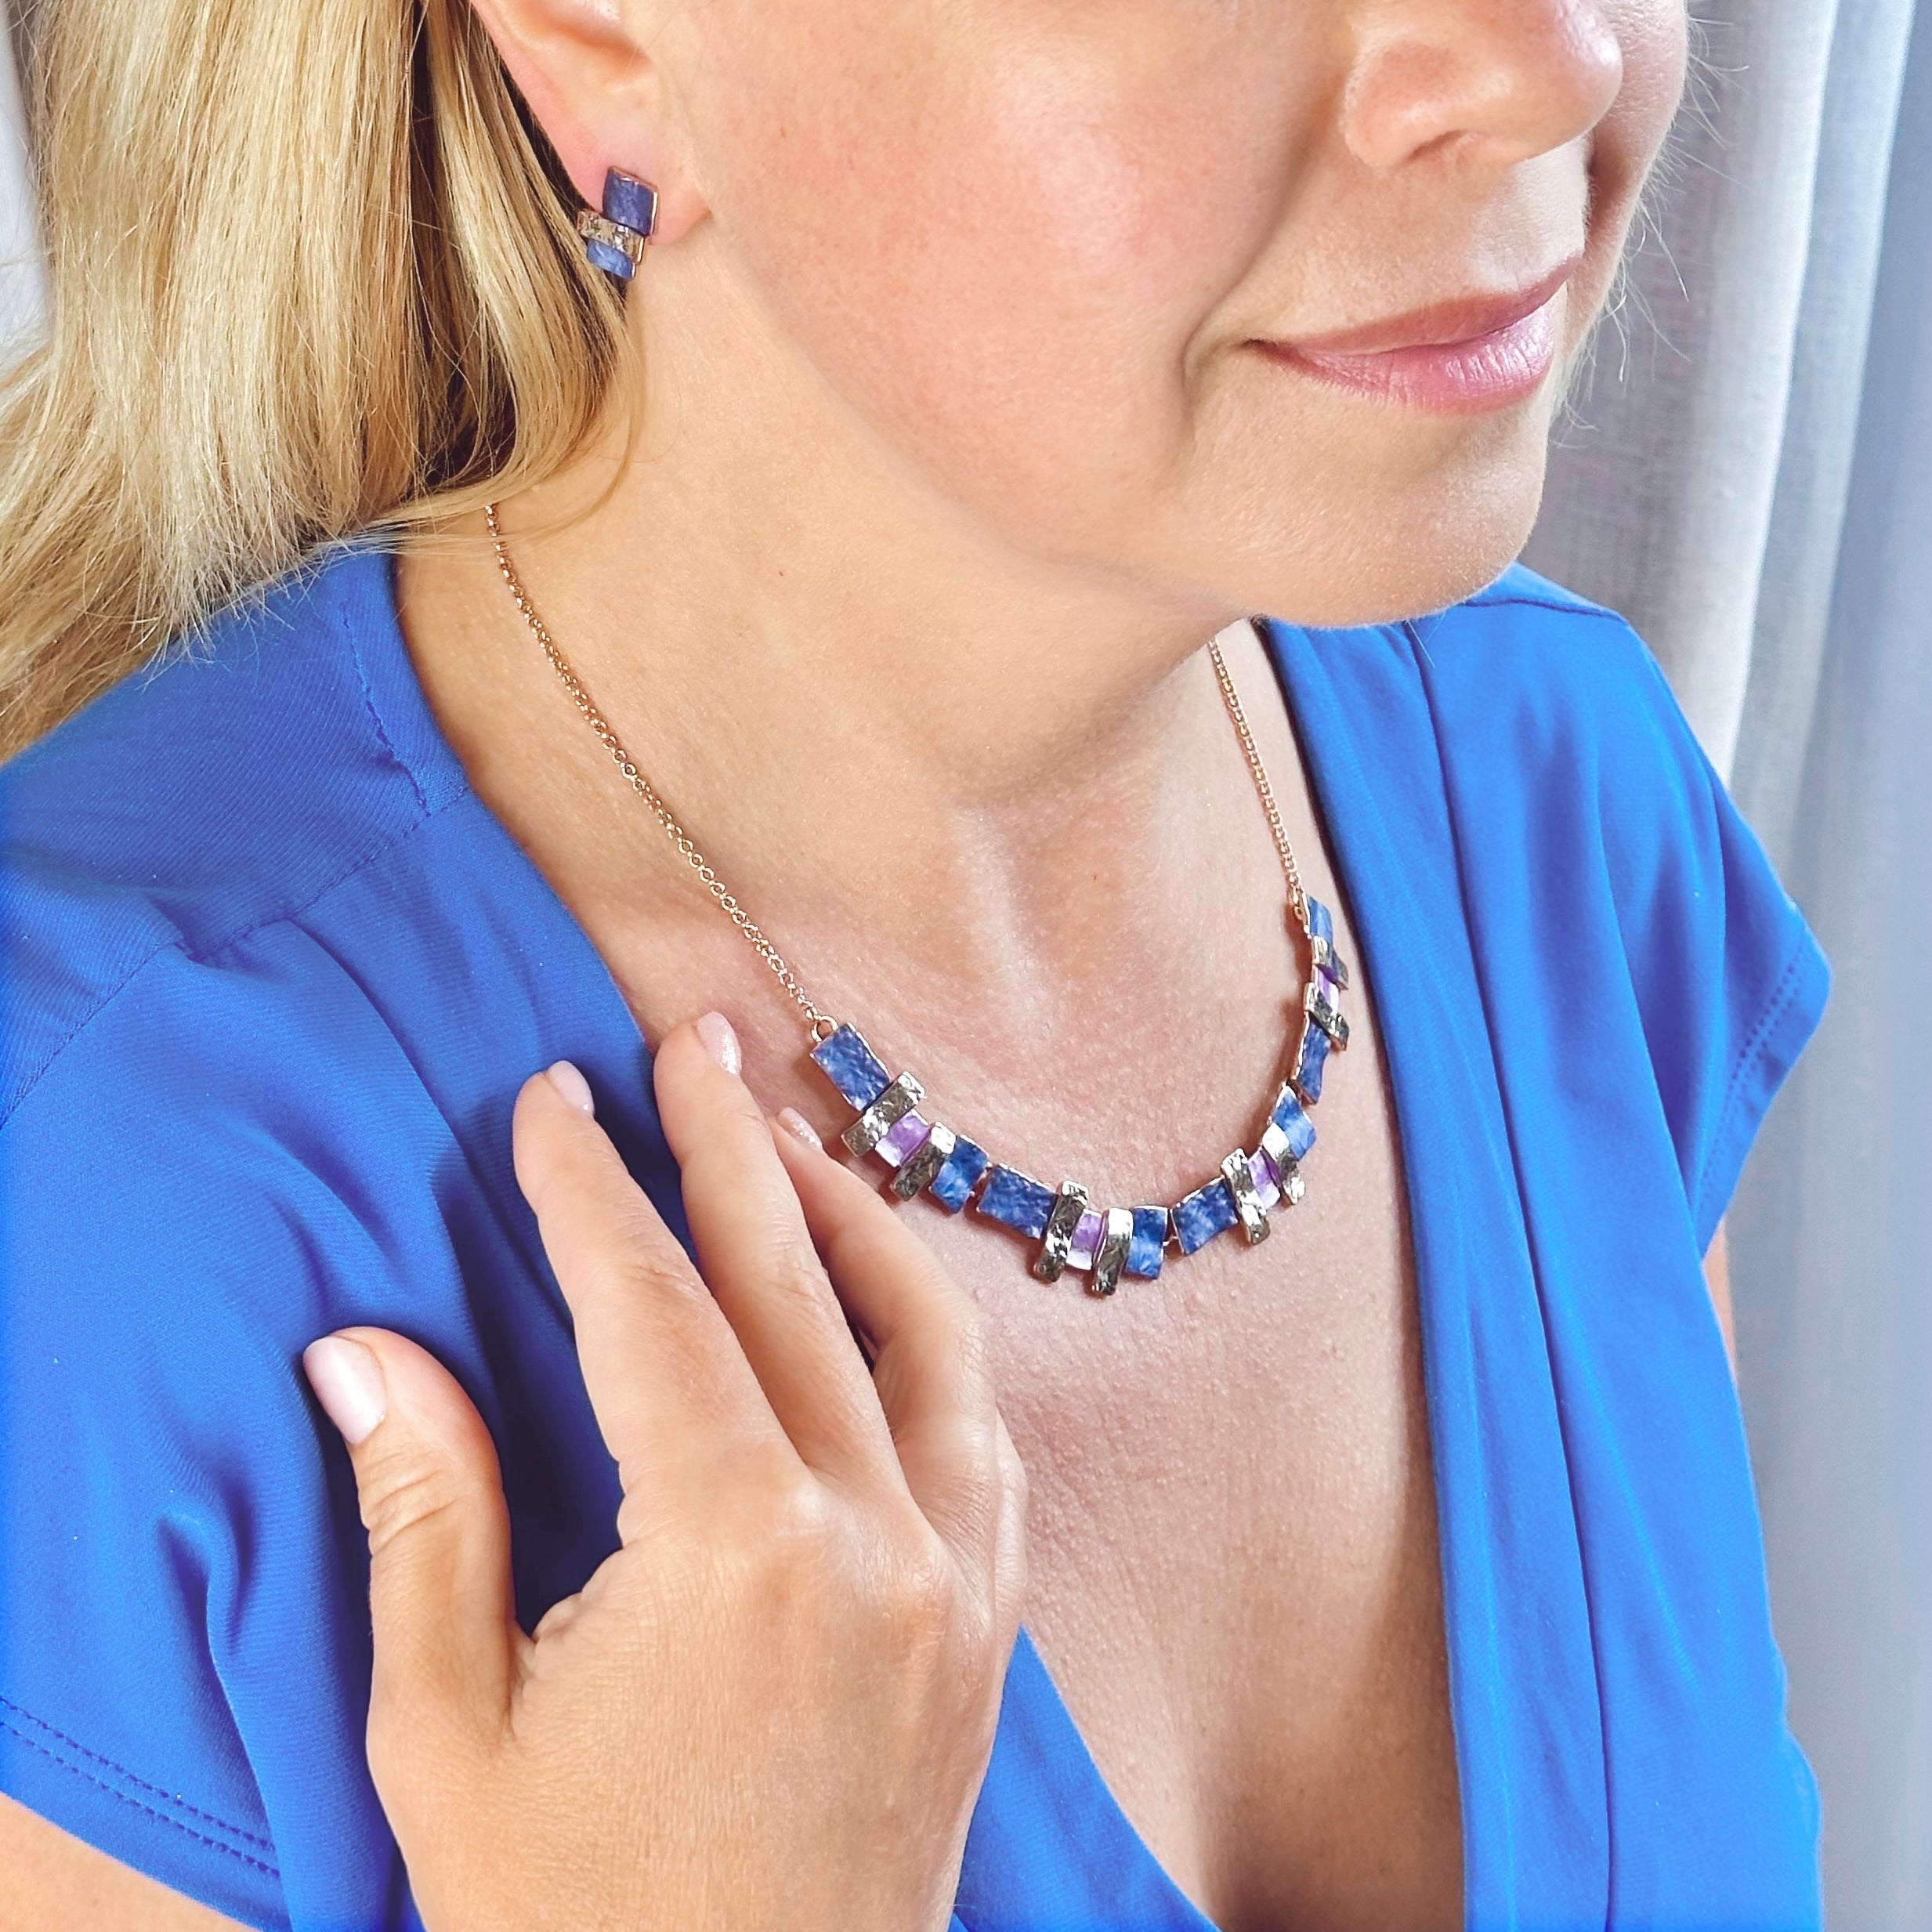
(1383, 915)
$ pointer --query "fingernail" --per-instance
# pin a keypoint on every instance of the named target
(720, 1042)
(347, 1379)
(572, 1085)
(799, 1127)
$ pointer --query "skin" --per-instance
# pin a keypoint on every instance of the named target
(953, 449)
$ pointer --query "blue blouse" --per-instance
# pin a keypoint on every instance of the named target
(273, 974)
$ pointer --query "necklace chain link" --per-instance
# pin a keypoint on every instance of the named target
(822, 1024)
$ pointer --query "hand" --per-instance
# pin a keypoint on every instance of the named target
(773, 1705)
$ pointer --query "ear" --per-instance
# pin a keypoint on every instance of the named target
(601, 100)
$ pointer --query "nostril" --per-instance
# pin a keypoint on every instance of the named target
(1496, 84)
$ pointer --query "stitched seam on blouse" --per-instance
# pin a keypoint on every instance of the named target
(180, 1805)
(347, 632)
(153, 1811)
(213, 953)
(1782, 994)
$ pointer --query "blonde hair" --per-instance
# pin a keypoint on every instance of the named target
(310, 272)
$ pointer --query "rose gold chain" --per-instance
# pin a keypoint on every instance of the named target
(822, 1024)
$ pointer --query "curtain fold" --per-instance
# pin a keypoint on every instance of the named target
(1754, 489)
(21, 285)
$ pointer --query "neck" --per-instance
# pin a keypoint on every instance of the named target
(920, 758)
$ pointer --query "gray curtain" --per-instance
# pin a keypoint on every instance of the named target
(1749, 479)
(1748, 476)
(20, 270)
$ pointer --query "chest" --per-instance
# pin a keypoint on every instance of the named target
(1233, 1566)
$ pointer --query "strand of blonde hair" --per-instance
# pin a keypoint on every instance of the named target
(310, 272)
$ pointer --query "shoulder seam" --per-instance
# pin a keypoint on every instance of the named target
(1784, 990)
(347, 631)
(285, 915)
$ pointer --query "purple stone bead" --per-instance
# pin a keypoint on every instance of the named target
(1267, 1180)
(1203, 1214)
(904, 1139)
(852, 1067)
(629, 200)
(1018, 1200)
(1146, 1250)
(952, 1185)
(1087, 1233)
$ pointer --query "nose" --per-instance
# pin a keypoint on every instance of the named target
(1488, 83)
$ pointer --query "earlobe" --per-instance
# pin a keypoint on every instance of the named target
(599, 98)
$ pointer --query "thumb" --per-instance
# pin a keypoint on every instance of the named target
(440, 1602)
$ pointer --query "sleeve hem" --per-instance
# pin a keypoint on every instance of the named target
(1789, 1019)
(138, 1825)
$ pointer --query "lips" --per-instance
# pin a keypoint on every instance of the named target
(1471, 352)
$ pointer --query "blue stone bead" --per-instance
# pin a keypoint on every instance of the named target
(1203, 1215)
(612, 261)
(629, 200)
(1289, 1117)
(1146, 1250)
(1314, 1044)
(852, 1067)
(1320, 925)
(952, 1185)
(1017, 1200)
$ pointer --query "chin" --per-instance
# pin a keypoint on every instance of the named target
(1403, 552)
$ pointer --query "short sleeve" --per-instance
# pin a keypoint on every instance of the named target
(1730, 981)
(183, 1636)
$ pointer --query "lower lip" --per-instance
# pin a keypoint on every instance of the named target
(1448, 378)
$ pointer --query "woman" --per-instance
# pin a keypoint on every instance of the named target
(865, 481)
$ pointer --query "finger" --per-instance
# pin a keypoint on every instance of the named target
(930, 1364)
(756, 1254)
(440, 1600)
(1008, 1582)
(673, 1393)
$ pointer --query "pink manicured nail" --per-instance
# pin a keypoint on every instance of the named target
(799, 1127)
(572, 1085)
(348, 1382)
(720, 1042)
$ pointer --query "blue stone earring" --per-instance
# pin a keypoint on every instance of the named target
(614, 241)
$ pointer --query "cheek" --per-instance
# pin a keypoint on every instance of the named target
(1651, 35)
(1012, 294)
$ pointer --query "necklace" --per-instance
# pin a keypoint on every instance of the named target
(929, 1157)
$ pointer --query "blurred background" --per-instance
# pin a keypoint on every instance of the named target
(1746, 473)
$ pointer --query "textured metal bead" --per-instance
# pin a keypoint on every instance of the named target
(1324, 1012)
(884, 1114)
(606, 234)
(1056, 1240)
(1110, 1257)
(921, 1169)
(1240, 1179)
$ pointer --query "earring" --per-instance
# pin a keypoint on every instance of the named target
(614, 241)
